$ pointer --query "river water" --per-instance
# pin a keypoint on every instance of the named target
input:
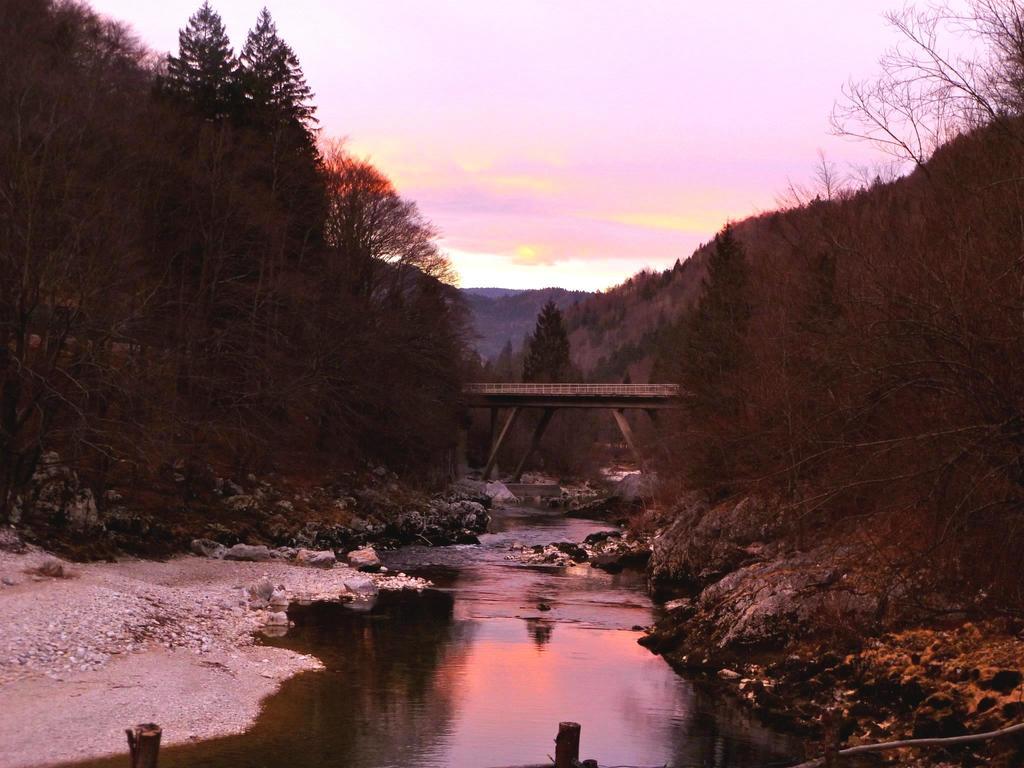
(473, 674)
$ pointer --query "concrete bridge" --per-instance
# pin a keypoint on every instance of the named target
(550, 397)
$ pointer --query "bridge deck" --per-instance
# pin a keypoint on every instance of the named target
(569, 395)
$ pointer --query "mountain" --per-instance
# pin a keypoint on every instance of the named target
(503, 315)
(492, 293)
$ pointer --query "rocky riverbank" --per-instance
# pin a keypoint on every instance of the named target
(344, 512)
(817, 636)
(171, 642)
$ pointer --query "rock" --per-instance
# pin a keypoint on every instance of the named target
(600, 536)
(635, 487)
(242, 503)
(57, 493)
(364, 559)
(261, 590)
(52, 567)
(7, 581)
(470, 514)
(278, 599)
(317, 559)
(767, 603)
(577, 553)
(277, 619)
(208, 548)
(499, 493)
(682, 603)
(256, 553)
(729, 674)
(10, 541)
(361, 585)
(940, 716)
(703, 543)
(1004, 681)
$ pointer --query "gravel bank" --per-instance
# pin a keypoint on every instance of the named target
(111, 644)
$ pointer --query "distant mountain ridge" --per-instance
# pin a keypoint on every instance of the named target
(493, 293)
(503, 315)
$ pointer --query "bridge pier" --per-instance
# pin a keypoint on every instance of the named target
(627, 434)
(496, 445)
(538, 432)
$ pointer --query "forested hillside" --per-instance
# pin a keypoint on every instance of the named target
(191, 274)
(614, 333)
(503, 318)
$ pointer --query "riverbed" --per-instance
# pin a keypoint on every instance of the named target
(479, 670)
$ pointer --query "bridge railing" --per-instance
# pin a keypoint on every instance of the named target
(597, 390)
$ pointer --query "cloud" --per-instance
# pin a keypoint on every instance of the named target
(693, 223)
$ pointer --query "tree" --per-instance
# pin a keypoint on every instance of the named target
(714, 343)
(714, 353)
(274, 89)
(204, 73)
(547, 356)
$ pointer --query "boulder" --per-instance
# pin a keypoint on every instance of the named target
(499, 494)
(767, 603)
(261, 590)
(52, 567)
(364, 559)
(637, 486)
(208, 548)
(256, 553)
(316, 558)
(469, 514)
(703, 543)
(56, 492)
(361, 585)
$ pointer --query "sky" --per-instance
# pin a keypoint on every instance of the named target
(572, 142)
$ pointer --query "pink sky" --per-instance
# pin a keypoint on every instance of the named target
(571, 142)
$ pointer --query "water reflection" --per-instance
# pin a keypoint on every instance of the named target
(473, 674)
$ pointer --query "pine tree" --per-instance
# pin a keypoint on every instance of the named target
(547, 355)
(274, 88)
(716, 334)
(204, 71)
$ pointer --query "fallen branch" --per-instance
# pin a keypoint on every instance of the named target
(951, 741)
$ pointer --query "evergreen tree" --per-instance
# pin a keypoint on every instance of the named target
(547, 355)
(504, 367)
(204, 71)
(715, 337)
(274, 88)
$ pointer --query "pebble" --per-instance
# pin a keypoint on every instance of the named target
(54, 627)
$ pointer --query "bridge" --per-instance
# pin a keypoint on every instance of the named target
(550, 397)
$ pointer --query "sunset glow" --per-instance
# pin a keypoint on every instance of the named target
(573, 142)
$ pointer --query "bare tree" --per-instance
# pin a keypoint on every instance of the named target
(953, 70)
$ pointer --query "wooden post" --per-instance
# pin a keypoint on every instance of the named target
(567, 745)
(144, 744)
(545, 419)
(832, 737)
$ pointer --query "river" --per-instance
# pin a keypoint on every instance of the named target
(474, 673)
